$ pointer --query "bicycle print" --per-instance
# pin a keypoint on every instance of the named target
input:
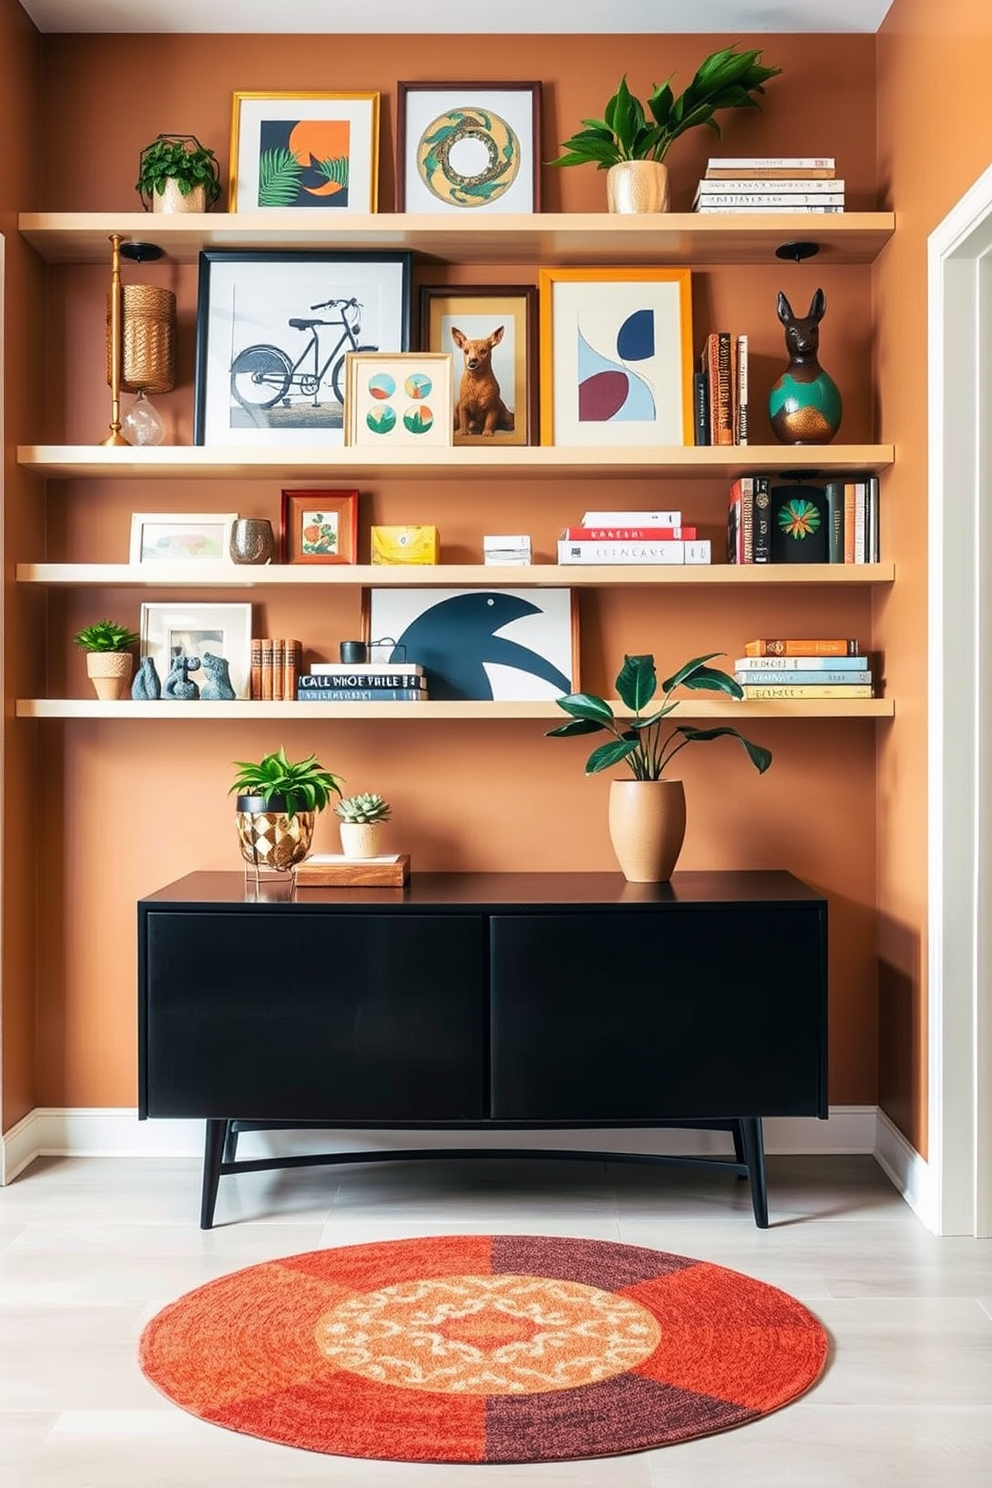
(267, 379)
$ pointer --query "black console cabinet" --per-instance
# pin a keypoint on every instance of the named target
(484, 1001)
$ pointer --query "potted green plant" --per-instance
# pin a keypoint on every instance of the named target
(277, 805)
(361, 824)
(647, 814)
(177, 174)
(631, 143)
(108, 656)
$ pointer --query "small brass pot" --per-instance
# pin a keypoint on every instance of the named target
(269, 837)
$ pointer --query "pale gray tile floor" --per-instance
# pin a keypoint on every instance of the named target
(91, 1248)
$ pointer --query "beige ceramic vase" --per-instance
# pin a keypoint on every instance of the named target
(637, 186)
(110, 673)
(647, 827)
(361, 839)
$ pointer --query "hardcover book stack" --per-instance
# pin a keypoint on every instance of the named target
(635, 537)
(804, 183)
(363, 682)
(720, 390)
(818, 667)
(275, 666)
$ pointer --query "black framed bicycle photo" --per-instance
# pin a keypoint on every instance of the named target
(273, 330)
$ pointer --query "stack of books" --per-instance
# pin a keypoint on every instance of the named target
(813, 668)
(275, 666)
(803, 183)
(646, 537)
(363, 682)
(852, 519)
(720, 390)
(749, 520)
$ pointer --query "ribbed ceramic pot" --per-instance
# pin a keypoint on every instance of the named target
(637, 186)
(361, 839)
(647, 827)
(172, 199)
(110, 673)
(269, 837)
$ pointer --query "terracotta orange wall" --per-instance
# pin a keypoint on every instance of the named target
(143, 804)
(934, 140)
(23, 531)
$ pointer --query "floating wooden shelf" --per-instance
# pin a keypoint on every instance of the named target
(136, 712)
(527, 238)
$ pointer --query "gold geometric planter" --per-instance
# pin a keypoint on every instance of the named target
(269, 838)
(647, 827)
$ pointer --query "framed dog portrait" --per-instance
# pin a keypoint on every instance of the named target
(299, 150)
(273, 330)
(319, 526)
(190, 630)
(616, 356)
(398, 400)
(468, 147)
(491, 333)
(502, 645)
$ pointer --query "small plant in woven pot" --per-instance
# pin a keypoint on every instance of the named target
(108, 656)
(362, 818)
(277, 805)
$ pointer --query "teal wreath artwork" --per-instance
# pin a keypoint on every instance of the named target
(500, 162)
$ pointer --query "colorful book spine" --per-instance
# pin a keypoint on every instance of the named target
(850, 665)
(781, 185)
(701, 407)
(632, 519)
(381, 683)
(834, 493)
(811, 646)
(860, 521)
(806, 678)
(747, 518)
(633, 553)
(786, 201)
(741, 425)
(849, 521)
(762, 519)
(255, 685)
(735, 528)
(267, 693)
(278, 669)
(362, 695)
(722, 406)
(292, 666)
(629, 534)
(874, 526)
(785, 690)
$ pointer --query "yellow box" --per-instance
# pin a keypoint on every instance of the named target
(404, 544)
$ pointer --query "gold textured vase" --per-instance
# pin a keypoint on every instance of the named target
(647, 827)
(271, 839)
(637, 186)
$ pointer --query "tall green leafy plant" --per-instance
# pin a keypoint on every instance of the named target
(303, 786)
(727, 79)
(637, 741)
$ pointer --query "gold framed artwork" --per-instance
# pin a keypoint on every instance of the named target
(397, 399)
(319, 527)
(468, 147)
(304, 150)
(616, 356)
(491, 333)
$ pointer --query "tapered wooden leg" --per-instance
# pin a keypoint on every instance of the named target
(754, 1148)
(213, 1152)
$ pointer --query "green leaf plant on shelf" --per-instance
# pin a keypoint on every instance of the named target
(647, 814)
(277, 805)
(631, 143)
(108, 657)
(177, 174)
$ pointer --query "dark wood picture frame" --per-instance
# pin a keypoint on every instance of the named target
(479, 310)
(416, 112)
(297, 506)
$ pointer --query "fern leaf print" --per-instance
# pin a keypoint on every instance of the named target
(279, 174)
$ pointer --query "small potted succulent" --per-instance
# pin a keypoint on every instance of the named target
(361, 824)
(647, 814)
(631, 143)
(177, 174)
(108, 657)
(277, 805)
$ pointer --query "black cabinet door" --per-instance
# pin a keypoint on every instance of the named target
(690, 1012)
(339, 1017)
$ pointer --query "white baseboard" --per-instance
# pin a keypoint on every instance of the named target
(907, 1170)
(116, 1132)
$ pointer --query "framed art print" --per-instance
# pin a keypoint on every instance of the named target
(179, 537)
(171, 630)
(292, 150)
(491, 333)
(398, 400)
(616, 356)
(468, 147)
(319, 526)
(272, 333)
(505, 645)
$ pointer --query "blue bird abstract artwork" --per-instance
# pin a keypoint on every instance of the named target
(456, 638)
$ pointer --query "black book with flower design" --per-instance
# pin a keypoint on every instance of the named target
(799, 527)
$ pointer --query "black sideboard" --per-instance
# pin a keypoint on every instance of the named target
(488, 1001)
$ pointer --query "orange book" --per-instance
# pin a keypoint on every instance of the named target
(266, 669)
(814, 646)
(278, 667)
(850, 520)
(292, 657)
(255, 689)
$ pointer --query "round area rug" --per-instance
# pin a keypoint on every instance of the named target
(468, 1348)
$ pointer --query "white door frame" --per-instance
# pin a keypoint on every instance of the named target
(959, 738)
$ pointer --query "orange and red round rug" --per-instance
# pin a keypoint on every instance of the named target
(467, 1348)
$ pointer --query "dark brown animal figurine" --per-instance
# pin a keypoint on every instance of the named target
(479, 409)
(804, 404)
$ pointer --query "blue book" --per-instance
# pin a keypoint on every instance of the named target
(362, 695)
(804, 664)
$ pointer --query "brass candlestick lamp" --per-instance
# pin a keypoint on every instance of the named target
(141, 346)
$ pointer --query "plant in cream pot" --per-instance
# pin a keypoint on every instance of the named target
(108, 656)
(631, 142)
(277, 806)
(647, 814)
(361, 824)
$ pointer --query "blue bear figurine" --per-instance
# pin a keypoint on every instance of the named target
(217, 686)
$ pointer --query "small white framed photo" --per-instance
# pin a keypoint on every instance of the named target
(181, 537)
(168, 631)
(398, 398)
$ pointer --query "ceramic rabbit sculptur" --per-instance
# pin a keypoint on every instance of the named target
(804, 404)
